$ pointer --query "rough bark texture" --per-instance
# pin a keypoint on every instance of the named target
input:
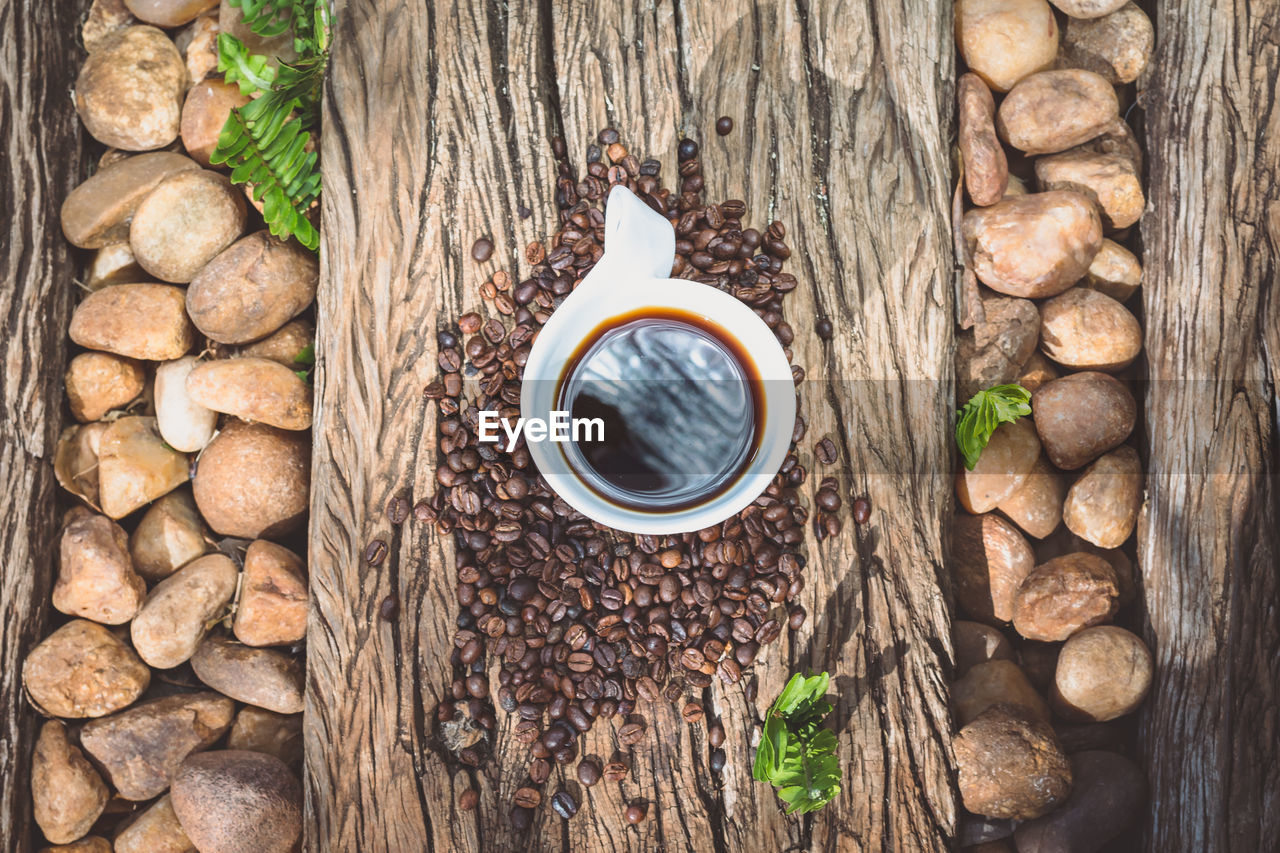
(1212, 524)
(437, 126)
(41, 162)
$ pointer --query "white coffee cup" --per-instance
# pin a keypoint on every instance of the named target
(633, 275)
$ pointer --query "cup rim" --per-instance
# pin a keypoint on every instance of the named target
(560, 338)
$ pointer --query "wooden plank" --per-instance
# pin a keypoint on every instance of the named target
(1210, 536)
(843, 145)
(427, 144)
(41, 162)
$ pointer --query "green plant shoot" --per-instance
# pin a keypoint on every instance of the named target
(267, 142)
(986, 410)
(796, 754)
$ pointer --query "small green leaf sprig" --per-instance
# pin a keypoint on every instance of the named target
(796, 754)
(986, 410)
(266, 143)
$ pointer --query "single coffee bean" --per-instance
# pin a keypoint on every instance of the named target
(861, 510)
(397, 510)
(718, 759)
(589, 771)
(608, 136)
(478, 686)
(389, 609)
(528, 798)
(539, 771)
(615, 771)
(469, 323)
(375, 552)
(724, 125)
(564, 804)
(692, 712)
(824, 328)
(687, 150)
(482, 250)
(468, 800)
(828, 499)
(826, 451)
(715, 736)
(636, 812)
(631, 734)
(796, 618)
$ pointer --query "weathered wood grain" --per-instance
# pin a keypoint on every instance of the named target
(437, 119)
(1211, 531)
(41, 162)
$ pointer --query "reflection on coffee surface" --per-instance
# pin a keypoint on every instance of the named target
(682, 407)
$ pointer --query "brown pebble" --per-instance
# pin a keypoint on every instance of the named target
(482, 250)
(724, 125)
(469, 800)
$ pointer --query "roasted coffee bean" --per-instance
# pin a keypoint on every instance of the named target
(861, 510)
(715, 736)
(631, 734)
(468, 800)
(589, 771)
(470, 323)
(636, 812)
(375, 552)
(828, 499)
(615, 771)
(389, 609)
(687, 150)
(718, 759)
(528, 798)
(724, 125)
(647, 689)
(482, 250)
(795, 620)
(539, 771)
(564, 804)
(692, 712)
(397, 510)
(608, 136)
(826, 451)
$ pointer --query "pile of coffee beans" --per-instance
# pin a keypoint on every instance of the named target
(588, 622)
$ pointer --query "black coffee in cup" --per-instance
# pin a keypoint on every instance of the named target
(682, 408)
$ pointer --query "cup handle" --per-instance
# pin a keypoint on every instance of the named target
(636, 237)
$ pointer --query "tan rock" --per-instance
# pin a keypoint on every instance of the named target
(96, 579)
(1064, 595)
(155, 830)
(273, 597)
(141, 748)
(238, 802)
(989, 683)
(170, 535)
(174, 617)
(260, 730)
(98, 382)
(68, 795)
(1102, 506)
(1002, 469)
(135, 466)
(990, 559)
(262, 677)
(254, 481)
(1011, 765)
(129, 92)
(83, 670)
(252, 389)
